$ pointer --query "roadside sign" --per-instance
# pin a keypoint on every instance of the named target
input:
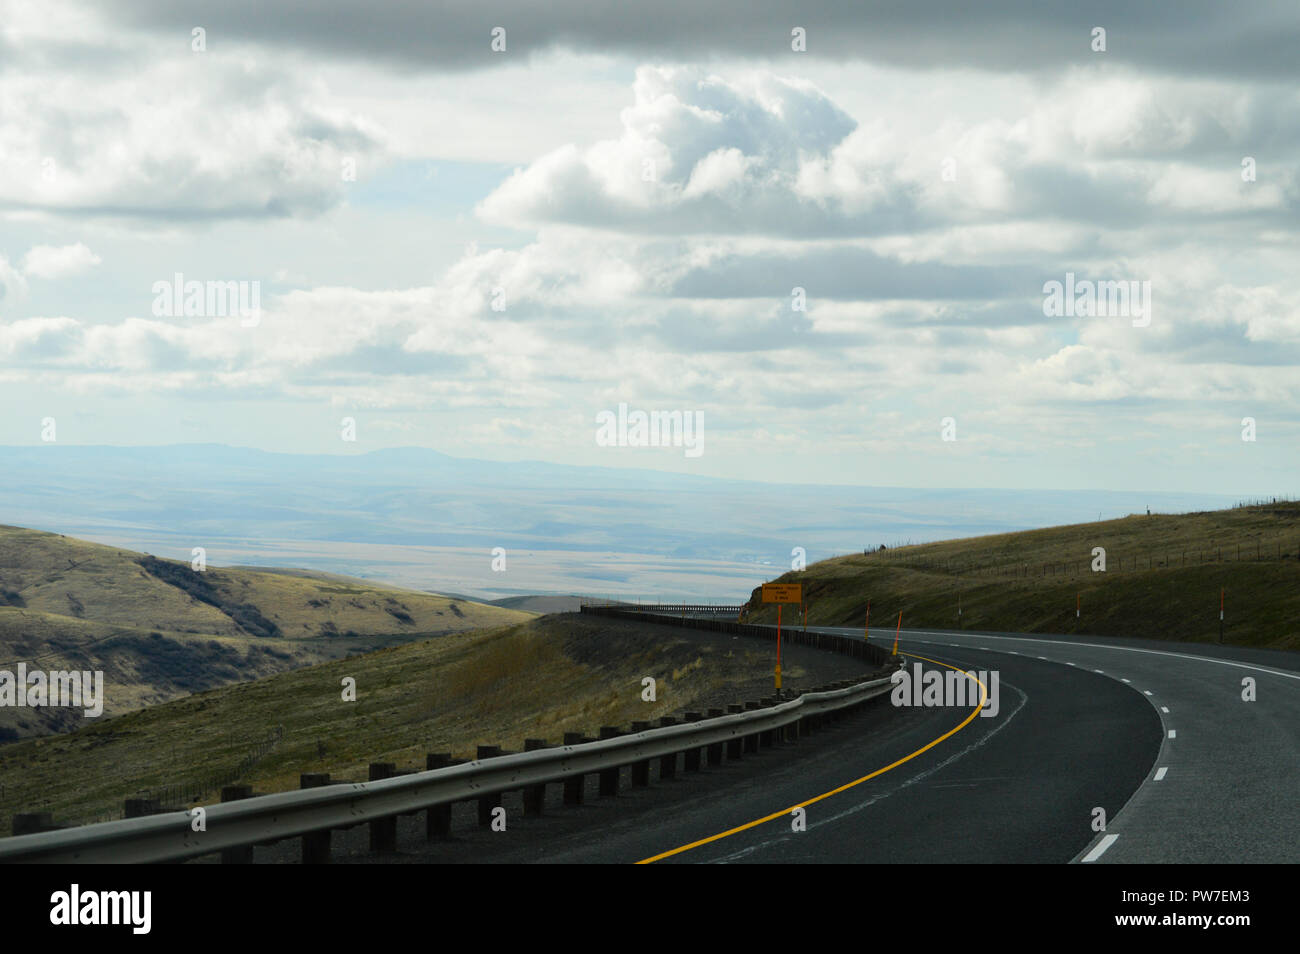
(782, 592)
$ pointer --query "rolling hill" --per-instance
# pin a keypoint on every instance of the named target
(159, 629)
(1163, 578)
(500, 685)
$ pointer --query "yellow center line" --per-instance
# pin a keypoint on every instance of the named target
(835, 791)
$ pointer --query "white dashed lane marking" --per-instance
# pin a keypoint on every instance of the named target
(1160, 772)
(1100, 849)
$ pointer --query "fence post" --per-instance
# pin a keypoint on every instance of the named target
(31, 823)
(640, 770)
(487, 802)
(534, 795)
(693, 754)
(243, 855)
(751, 741)
(573, 784)
(734, 745)
(609, 776)
(437, 820)
(383, 831)
(315, 844)
(139, 807)
(667, 763)
(715, 750)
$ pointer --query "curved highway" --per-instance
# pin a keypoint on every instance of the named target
(1157, 736)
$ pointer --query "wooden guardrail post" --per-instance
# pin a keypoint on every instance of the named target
(751, 740)
(315, 844)
(765, 737)
(243, 855)
(574, 783)
(693, 754)
(437, 820)
(139, 807)
(383, 831)
(791, 731)
(715, 749)
(31, 823)
(734, 746)
(609, 776)
(487, 803)
(640, 770)
(667, 763)
(534, 795)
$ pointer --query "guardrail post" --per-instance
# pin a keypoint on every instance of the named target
(791, 732)
(487, 802)
(243, 855)
(573, 784)
(751, 741)
(667, 763)
(734, 746)
(315, 844)
(31, 823)
(383, 831)
(139, 807)
(693, 754)
(640, 770)
(715, 750)
(534, 795)
(765, 737)
(609, 777)
(437, 820)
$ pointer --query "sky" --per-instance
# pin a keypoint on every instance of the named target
(825, 232)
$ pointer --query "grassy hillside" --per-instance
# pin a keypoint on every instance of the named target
(158, 629)
(496, 686)
(1162, 580)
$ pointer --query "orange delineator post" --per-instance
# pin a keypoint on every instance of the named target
(897, 631)
(866, 625)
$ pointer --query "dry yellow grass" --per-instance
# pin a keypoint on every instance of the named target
(1162, 580)
(499, 686)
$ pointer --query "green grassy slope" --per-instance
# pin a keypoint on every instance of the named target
(1162, 580)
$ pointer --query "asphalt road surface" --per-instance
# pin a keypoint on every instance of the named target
(1156, 735)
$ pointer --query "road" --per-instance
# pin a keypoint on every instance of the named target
(1156, 735)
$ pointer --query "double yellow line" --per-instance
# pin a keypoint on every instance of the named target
(835, 791)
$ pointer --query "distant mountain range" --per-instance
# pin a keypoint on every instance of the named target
(420, 518)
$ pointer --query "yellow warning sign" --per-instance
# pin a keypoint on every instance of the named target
(782, 592)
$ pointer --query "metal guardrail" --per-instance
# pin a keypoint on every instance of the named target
(679, 608)
(269, 818)
(854, 646)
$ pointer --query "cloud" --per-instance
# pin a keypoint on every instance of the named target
(1198, 37)
(48, 261)
(765, 155)
(166, 135)
(12, 283)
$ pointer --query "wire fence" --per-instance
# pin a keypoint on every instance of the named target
(1253, 550)
(196, 789)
